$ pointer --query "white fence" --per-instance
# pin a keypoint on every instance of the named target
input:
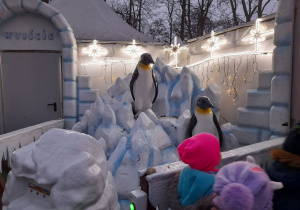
(158, 182)
(12, 141)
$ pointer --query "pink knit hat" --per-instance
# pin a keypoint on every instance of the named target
(201, 152)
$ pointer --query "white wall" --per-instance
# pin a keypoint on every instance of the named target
(102, 77)
(233, 45)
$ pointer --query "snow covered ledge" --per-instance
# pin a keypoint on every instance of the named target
(158, 182)
(12, 141)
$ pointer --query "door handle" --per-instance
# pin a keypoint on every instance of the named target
(54, 104)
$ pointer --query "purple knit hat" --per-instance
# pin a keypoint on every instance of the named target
(243, 185)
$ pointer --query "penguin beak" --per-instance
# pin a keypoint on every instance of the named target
(151, 60)
(146, 59)
(204, 104)
(210, 105)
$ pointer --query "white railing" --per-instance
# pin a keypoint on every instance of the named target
(158, 182)
(12, 141)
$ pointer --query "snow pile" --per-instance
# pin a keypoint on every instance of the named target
(63, 170)
(229, 140)
(151, 139)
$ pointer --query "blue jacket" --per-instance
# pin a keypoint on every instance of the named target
(287, 198)
(194, 184)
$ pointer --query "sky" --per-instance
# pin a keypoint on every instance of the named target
(270, 8)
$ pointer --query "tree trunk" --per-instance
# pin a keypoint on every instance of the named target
(204, 7)
(189, 19)
(234, 15)
(170, 6)
(261, 7)
(171, 31)
(130, 9)
(248, 11)
(183, 14)
(140, 14)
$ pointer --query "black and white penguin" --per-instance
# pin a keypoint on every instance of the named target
(143, 84)
(204, 120)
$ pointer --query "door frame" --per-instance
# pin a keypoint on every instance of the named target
(2, 121)
(295, 86)
(69, 50)
(2, 126)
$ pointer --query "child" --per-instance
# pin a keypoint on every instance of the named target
(286, 169)
(202, 153)
(243, 186)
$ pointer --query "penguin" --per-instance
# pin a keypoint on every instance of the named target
(204, 120)
(143, 85)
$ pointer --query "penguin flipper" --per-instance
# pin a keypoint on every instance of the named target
(220, 133)
(192, 124)
(135, 75)
(155, 84)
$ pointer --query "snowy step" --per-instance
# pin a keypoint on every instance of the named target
(247, 136)
(82, 107)
(264, 79)
(88, 95)
(253, 118)
(258, 99)
(84, 82)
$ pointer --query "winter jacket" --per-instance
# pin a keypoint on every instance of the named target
(286, 169)
(204, 203)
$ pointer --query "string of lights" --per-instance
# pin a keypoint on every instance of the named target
(222, 61)
(257, 35)
(213, 44)
(175, 50)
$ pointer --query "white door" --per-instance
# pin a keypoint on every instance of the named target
(31, 88)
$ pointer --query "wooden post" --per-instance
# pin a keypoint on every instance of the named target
(145, 186)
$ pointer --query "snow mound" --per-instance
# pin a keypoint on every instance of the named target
(63, 170)
(151, 139)
(229, 140)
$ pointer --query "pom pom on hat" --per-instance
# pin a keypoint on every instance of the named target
(201, 152)
(236, 181)
(235, 196)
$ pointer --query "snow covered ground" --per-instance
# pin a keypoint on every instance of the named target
(63, 170)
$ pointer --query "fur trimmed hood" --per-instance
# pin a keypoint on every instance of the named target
(285, 157)
(285, 169)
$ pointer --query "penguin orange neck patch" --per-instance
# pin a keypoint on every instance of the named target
(144, 67)
(203, 111)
